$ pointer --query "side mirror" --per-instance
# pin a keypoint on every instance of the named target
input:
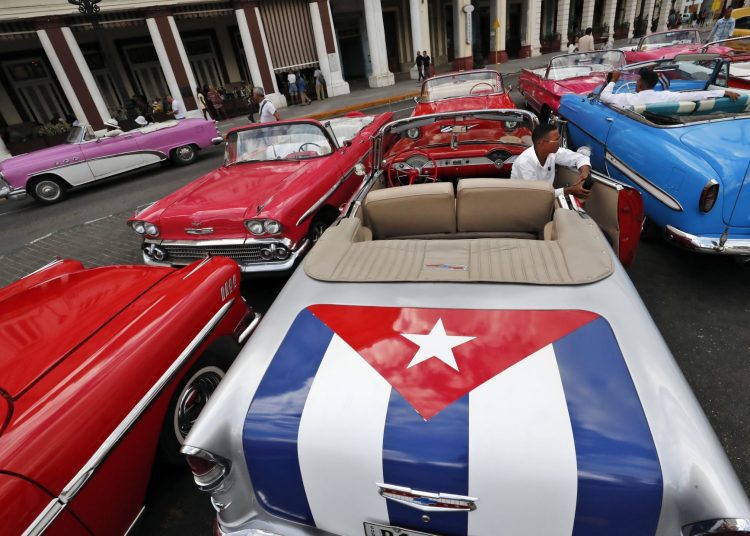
(346, 143)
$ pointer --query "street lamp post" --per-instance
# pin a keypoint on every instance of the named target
(90, 9)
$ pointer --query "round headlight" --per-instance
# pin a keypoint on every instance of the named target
(511, 125)
(254, 226)
(151, 229)
(138, 227)
(272, 227)
(412, 133)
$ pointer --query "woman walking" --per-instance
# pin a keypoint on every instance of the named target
(216, 100)
(202, 102)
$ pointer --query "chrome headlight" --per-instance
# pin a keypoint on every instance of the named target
(151, 229)
(254, 226)
(272, 226)
(138, 227)
(412, 133)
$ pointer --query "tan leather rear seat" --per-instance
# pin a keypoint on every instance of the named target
(504, 206)
(420, 209)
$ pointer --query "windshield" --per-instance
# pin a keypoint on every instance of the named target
(574, 65)
(345, 128)
(666, 39)
(273, 141)
(675, 75)
(79, 133)
(462, 85)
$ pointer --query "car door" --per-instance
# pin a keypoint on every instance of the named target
(108, 156)
(587, 123)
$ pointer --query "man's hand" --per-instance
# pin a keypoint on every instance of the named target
(732, 95)
(614, 76)
(577, 190)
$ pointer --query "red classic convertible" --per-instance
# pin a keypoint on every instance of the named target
(98, 368)
(280, 186)
(666, 45)
(466, 90)
(569, 73)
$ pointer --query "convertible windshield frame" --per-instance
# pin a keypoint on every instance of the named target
(653, 39)
(598, 61)
(465, 79)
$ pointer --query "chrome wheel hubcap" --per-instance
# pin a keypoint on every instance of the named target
(48, 190)
(185, 153)
(193, 399)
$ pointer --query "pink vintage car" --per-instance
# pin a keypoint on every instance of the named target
(666, 45)
(480, 89)
(281, 185)
(86, 157)
(568, 73)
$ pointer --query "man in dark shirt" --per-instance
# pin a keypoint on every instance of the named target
(420, 66)
(426, 64)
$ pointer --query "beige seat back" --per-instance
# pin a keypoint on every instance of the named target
(419, 209)
(503, 206)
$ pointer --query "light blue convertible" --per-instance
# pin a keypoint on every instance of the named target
(688, 159)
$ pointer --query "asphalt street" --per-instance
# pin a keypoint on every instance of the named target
(700, 304)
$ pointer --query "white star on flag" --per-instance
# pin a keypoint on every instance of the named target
(436, 344)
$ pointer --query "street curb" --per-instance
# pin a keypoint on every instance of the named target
(359, 106)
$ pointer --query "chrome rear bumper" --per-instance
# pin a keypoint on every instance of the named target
(6, 192)
(704, 244)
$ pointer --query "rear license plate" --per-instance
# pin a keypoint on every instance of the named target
(373, 529)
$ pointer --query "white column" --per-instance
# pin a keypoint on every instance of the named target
(587, 18)
(62, 77)
(335, 83)
(497, 13)
(648, 12)
(609, 16)
(420, 31)
(563, 18)
(533, 22)
(664, 15)
(4, 152)
(185, 65)
(91, 87)
(380, 76)
(630, 16)
(161, 53)
(461, 41)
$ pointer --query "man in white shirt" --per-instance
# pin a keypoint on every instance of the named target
(538, 161)
(645, 93)
(586, 43)
(178, 109)
(267, 112)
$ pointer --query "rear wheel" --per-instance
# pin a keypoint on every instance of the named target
(182, 156)
(47, 190)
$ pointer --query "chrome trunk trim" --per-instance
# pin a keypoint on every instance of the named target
(644, 183)
(705, 244)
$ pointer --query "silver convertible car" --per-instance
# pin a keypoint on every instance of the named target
(460, 358)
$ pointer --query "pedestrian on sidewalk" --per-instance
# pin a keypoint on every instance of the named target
(177, 108)
(586, 43)
(218, 103)
(320, 84)
(302, 88)
(209, 104)
(420, 66)
(202, 102)
(292, 85)
(268, 112)
(429, 70)
(573, 47)
(723, 28)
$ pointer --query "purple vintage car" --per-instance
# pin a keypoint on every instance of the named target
(86, 157)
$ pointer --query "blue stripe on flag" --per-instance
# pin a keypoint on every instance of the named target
(430, 456)
(272, 423)
(619, 475)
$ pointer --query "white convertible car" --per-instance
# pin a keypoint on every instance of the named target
(463, 359)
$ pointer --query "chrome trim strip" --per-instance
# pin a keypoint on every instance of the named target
(74, 486)
(137, 518)
(249, 329)
(705, 244)
(203, 231)
(197, 267)
(45, 518)
(86, 160)
(319, 203)
(644, 183)
(400, 494)
(714, 526)
(51, 263)
(221, 242)
(218, 140)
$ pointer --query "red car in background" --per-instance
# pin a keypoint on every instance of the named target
(465, 90)
(100, 369)
(569, 73)
(280, 186)
(665, 45)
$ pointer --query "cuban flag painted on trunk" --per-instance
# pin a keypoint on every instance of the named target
(531, 412)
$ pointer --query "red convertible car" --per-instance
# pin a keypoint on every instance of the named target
(466, 90)
(100, 369)
(569, 73)
(280, 186)
(665, 45)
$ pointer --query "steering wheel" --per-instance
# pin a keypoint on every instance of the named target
(302, 147)
(492, 88)
(627, 87)
(402, 173)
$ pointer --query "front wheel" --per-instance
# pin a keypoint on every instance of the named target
(47, 190)
(182, 156)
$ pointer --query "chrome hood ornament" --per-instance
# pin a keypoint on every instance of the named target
(427, 501)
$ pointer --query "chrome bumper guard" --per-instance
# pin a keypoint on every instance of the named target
(6, 192)
(217, 140)
(704, 244)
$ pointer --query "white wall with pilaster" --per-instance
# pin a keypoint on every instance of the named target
(462, 49)
(587, 18)
(630, 11)
(380, 76)
(188, 69)
(563, 18)
(533, 23)
(161, 53)
(608, 16)
(335, 84)
(247, 45)
(62, 78)
(648, 12)
(664, 15)
(420, 30)
(498, 12)
(88, 78)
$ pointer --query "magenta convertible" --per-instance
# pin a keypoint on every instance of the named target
(85, 157)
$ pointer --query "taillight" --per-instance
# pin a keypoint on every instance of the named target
(630, 220)
(709, 195)
(208, 469)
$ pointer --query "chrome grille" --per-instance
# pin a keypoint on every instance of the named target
(240, 253)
